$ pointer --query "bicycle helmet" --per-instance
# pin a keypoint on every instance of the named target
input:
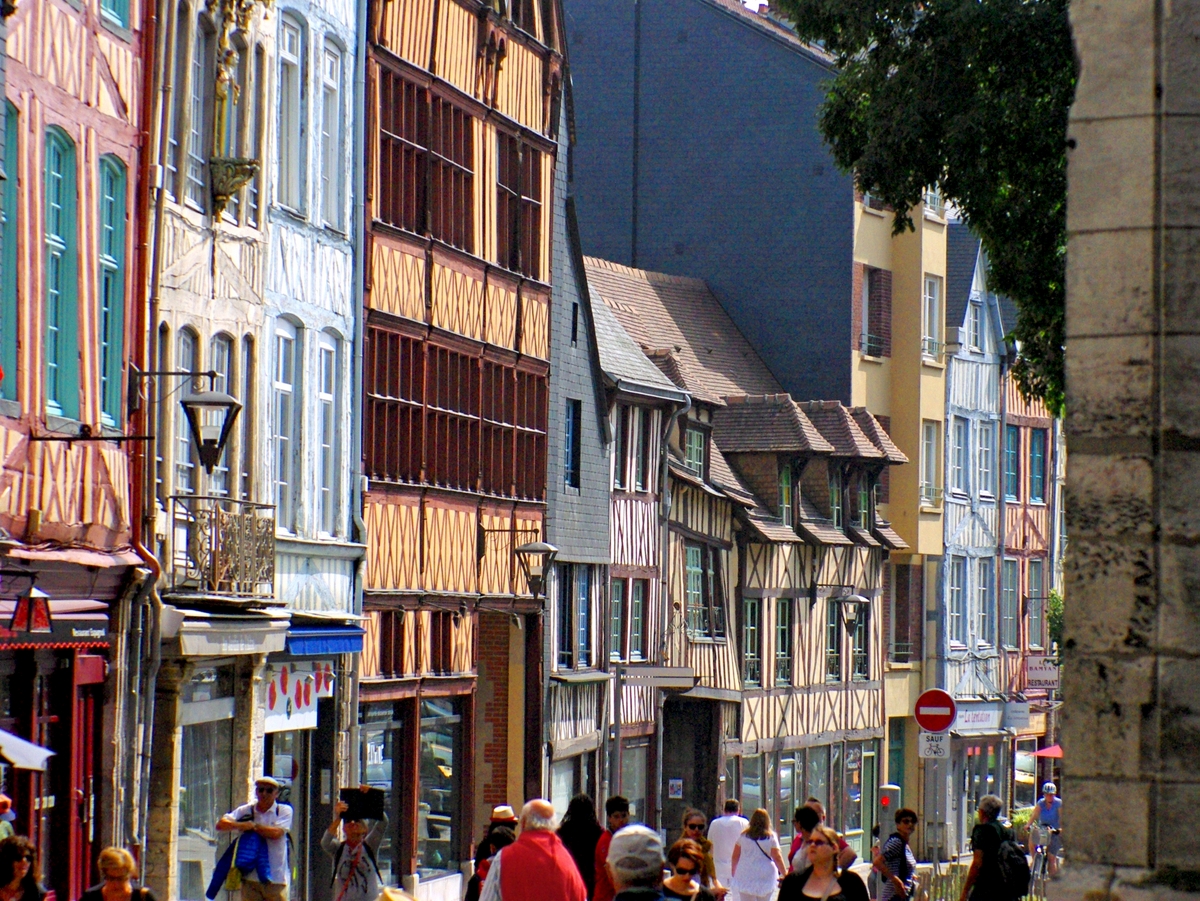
(1049, 788)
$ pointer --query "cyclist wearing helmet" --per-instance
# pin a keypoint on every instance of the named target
(1049, 814)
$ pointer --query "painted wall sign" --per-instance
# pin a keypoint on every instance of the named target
(292, 693)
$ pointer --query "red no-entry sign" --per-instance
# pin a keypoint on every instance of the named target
(935, 710)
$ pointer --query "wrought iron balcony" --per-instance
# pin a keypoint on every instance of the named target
(222, 547)
(931, 495)
(932, 348)
(871, 345)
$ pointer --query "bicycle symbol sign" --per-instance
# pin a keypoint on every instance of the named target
(935, 745)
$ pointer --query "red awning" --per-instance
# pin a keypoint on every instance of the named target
(1052, 751)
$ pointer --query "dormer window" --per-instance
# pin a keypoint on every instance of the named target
(836, 498)
(694, 449)
(785, 493)
(865, 517)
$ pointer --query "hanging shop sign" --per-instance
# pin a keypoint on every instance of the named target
(1041, 673)
(293, 691)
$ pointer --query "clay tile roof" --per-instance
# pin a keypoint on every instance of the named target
(681, 318)
(839, 429)
(889, 536)
(720, 473)
(817, 527)
(875, 431)
(764, 423)
(771, 528)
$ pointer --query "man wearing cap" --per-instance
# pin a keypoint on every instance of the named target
(1049, 813)
(537, 866)
(271, 820)
(635, 864)
(7, 815)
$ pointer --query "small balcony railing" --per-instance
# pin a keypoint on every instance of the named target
(932, 348)
(900, 652)
(222, 547)
(931, 495)
(871, 345)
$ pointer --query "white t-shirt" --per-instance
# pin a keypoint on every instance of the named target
(756, 870)
(723, 833)
(276, 815)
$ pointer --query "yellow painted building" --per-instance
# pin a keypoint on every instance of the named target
(899, 374)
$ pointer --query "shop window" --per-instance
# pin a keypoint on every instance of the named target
(381, 765)
(205, 775)
(439, 787)
(635, 760)
(816, 782)
(752, 783)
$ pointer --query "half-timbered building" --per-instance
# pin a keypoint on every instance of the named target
(310, 302)
(213, 532)
(73, 120)
(577, 513)
(775, 604)
(462, 113)
(1000, 503)
(642, 406)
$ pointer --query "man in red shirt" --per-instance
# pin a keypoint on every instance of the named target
(616, 809)
(537, 866)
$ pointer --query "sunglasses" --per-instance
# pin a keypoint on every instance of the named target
(909, 820)
(686, 871)
(699, 827)
(812, 843)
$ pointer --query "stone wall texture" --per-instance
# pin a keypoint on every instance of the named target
(1131, 733)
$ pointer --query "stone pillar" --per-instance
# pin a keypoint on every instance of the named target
(1131, 725)
(162, 818)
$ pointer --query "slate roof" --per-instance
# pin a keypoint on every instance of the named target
(875, 431)
(962, 252)
(772, 26)
(838, 427)
(766, 423)
(680, 317)
(623, 361)
(962, 256)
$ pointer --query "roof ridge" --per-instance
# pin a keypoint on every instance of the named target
(648, 275)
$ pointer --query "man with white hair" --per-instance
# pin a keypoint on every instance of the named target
(635, 864)
(537, 866)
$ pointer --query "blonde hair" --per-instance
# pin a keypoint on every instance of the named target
(760, 824)
(117, 859)
(830, 835)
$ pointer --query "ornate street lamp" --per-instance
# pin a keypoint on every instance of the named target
(32, 612)
(852, 604)
(535, 559)
(210, 416)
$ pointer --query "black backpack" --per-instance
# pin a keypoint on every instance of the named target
(1013, 865)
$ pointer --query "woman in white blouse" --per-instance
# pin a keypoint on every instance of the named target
(757, 861)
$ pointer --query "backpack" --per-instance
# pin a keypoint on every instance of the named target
(1013, 864)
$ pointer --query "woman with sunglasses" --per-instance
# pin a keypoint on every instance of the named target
(821, 879)
(687, 861)
(17, 879)
(118, 869)
(896, 863)
(695, 825)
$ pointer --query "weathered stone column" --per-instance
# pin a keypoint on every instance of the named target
(1131, 733)
(162, 828)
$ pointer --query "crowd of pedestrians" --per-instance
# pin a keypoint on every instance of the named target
(538, 857)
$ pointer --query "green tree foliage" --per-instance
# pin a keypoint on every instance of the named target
(971, 95)
(1054, 619)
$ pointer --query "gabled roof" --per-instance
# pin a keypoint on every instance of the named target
(838, 427)
(623, 361)
(875, 431)
(681, 318)
(766, 423)
(962, 253)
(817, 527)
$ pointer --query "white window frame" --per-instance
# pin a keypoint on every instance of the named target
(328, 380)
(1036, 595)
(957, 608)
(933, 200)
(984, 616)
(290, 152)
(975, 326)
(331, 136)
(285, 430)
(931, 492)
(959, 455)
(987, 434)
(221, 351)
(187, 464)
(931, 317)
(195, 163)
(1010, 619)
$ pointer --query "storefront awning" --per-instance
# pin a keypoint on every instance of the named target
(322, 641)
(74, 624)
(208, 635)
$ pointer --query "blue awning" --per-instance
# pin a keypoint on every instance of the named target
(320, 641)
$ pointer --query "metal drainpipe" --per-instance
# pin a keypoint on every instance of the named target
(165, 50)
(356, 377)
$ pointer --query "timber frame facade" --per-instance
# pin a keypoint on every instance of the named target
(73, 119)
(462, 113)
(773, 572)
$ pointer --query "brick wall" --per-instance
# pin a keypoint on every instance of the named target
(879, 315)
(491, 712)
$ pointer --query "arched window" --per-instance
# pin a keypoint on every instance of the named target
(186, 360)
(8, 262)
(111, 286)
(291, 113)
(221, 362)
(62, 284)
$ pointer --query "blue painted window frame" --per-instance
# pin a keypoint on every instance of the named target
(110, 297)
(61, 297)
(8, 262)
